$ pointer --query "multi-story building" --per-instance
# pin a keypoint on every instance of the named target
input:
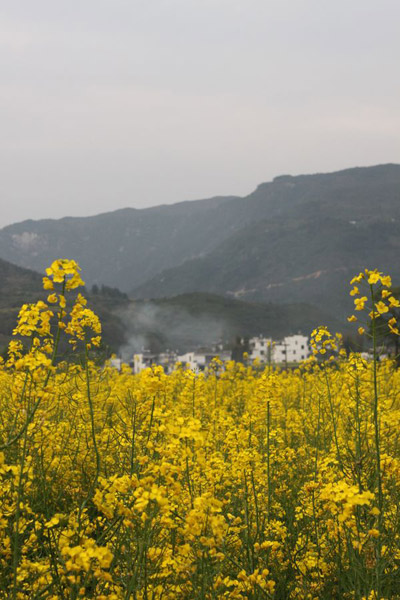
(261, 348)
(193, 360)
(116, 363)
(199, 361)
(292, 349)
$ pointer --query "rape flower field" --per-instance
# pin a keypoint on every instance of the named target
(234, 483)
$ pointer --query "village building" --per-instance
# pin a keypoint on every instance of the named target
(201, 360)
(260, 348)
(291, 349)
(116, 363)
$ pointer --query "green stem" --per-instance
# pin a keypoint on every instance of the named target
(133, 436)
(93, 429)
(358, 438)
(377, 450)
(331, 407)
(20, 492)
(268, 457)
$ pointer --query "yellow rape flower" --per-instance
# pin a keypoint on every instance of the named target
(357, 279)
(394, 302)
(63, 271)
(373, 276)
(359, 303)
(386, 280)
(48, 284)
(381, 307)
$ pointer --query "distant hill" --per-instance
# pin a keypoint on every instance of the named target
(280, 261)
(329, 229)
(19, 286)
(123, 248)
(295, 239)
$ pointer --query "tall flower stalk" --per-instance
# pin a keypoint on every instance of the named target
(381, 300)
(35, 324)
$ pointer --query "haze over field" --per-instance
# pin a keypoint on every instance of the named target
(133, 103)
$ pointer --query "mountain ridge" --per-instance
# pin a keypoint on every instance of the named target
(265, 246)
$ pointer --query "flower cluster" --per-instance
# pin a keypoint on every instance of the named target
(82, 324)
(379, 300)
(323, 341)
(63, 271)
(34, 319)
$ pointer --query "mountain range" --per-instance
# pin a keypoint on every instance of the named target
(295, 239)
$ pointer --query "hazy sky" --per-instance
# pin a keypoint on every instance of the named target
(112, 103)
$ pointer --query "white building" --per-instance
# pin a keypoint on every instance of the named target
(139, 362)
(116, 363)
(146, 359)
(195, 360)
(199, 361)
(188, 359)
(260, 348)
(167, 360)
(292, 349)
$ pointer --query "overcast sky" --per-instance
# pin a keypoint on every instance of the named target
(113, 103)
